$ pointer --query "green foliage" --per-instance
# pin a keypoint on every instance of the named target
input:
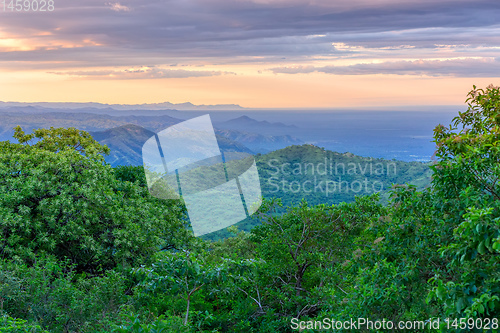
(285, 174)
(178, 274)
(466, 177)
(133, 174)
(72, 227)
(305, 239)
(298, 173)
(60, 139)
(237, 246)
(434, 253)
(16, 325)
(55, 199)
(55, 296)
(160, 325)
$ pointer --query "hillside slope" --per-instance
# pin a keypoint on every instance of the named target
(298, 172)
(259, 143)
(125, 143)
(326, 177)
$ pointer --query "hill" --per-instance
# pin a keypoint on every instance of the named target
(83, 121)
(325, 177)
(125, 143)
(245, 123)
(30, 118)
(259, 143)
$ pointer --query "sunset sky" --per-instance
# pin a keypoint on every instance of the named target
(255, 53)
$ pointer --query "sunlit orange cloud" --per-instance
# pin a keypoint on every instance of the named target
(11, 43)
(38, 40)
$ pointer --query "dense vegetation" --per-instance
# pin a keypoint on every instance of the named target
(86, 249)
(320, 176)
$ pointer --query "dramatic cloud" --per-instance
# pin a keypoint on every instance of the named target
(81, 34)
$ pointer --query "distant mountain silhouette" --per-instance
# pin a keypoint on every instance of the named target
(125, 143)
(126, 139)
(245, 121)
(146, 106)
(29, 119)
(259, 143)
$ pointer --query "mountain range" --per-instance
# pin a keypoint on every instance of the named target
(245, 123)
(146, 106)
(126, 141)
(281, 158)
(259, 143)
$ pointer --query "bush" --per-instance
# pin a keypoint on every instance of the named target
(58, 298)
(15, 325)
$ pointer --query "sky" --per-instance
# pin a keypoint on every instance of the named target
(255, 53)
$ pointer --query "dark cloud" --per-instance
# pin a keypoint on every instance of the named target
(455, 68)
(86, 33)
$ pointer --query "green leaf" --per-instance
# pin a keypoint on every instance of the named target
(441, 292)
(460, 304)
(481, 248)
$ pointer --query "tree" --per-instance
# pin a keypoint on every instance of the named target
(467, 179)
(58, 196)
(471, 145)
(131, 174)
(179, 274)
(59, 139)
(302, 244)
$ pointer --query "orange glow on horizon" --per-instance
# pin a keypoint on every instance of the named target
(314, 90)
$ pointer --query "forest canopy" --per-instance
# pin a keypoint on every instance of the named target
(85, 248)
